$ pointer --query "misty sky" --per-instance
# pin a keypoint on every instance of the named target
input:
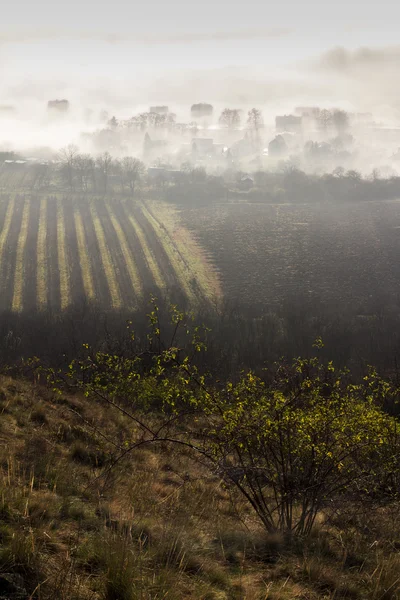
(185, 51)
(96, 35)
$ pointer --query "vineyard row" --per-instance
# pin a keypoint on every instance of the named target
(55, 252)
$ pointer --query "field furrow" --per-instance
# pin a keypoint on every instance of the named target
(120, 210)
(130, 264)
(127, 290)
(101, 290)
(183, 274)
(3, 239)
(65, 291)
(173, 288)
(53, 274)
(106, 260)
(202, 271)
(17, 301)
(148, 254)
(30, 257)
(10, 254)
(41, 272)
(76, 285)
(84, 259)
(4, 203)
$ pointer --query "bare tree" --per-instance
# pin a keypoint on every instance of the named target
(67, 158)
(254, 119)
(155, 120)
(104, 163)
(84, 170)
(255, 122)
(113, 123)
(230, 118)
(132, 170)
(139, 121)
(325, 120)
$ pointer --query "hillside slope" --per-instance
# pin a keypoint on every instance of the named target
(157, 525)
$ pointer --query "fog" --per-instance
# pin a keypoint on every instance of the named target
(358, 81)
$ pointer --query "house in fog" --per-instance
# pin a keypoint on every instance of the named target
(153, 148)
(277, 147)
(290, 123)
(243, 148)
(165, 173)
(311, 112)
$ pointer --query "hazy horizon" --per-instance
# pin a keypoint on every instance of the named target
(122, 53)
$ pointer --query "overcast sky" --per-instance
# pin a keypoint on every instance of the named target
(147, 34)
(82, 40)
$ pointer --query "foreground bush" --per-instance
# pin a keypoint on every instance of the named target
(293, 443)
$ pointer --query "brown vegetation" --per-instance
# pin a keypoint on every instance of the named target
(157, 525)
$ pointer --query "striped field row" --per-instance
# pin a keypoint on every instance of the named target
(17, 301)
(132, 228)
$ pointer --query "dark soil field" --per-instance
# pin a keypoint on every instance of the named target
(268, 254)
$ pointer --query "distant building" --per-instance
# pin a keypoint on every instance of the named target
(201, 110)
(153, 148)
(308, 111)
(277, 147)
(160, 110)
(163, 173)
(58, 105)
(243, 148)
(156, 172)
(288, 123)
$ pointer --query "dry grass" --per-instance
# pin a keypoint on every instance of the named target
(41, 282)
(148, 254)
(65, 291)
(129, 260)
(159, 526)
(182, 271)
(84, 258)
(189, 249)
(106, 259)
(19, 267)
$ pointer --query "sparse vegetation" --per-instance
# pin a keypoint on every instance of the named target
(98, 502)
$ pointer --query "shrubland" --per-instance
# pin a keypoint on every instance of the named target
(138, 474)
